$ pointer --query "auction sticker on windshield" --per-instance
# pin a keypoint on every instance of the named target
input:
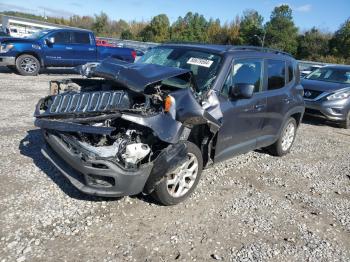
(199, 62)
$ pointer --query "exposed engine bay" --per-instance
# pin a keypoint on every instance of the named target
(125, 114)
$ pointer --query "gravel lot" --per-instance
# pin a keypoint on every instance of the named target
(254, 207)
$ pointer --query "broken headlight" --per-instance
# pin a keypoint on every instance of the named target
(170, 106)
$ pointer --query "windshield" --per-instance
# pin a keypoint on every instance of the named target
(203, 65)
(38, 34)
(329, 74)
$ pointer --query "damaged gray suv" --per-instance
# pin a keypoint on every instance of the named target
(152, 126)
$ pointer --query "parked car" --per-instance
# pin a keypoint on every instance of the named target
(56, 48)
(327, 94)
(153, 125)
(306, 71)
(102, 42)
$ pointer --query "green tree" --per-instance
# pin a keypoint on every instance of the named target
(158, 29)
(313, 44)
(251, 28)
(127, 35)
(193, 28)
(281, 33)
(231, 33)
(100, 24)
(340, 43)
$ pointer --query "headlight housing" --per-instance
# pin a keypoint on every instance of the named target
(4, 48)
(342, 94)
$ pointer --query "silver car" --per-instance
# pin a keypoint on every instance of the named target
(327, 94)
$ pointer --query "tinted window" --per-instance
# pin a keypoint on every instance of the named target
(290, 72)
(62, 38)
(276, 71)
(331, 74)
(81, 38)
(245, 71)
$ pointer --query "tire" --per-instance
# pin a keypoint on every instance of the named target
(168, 191)
(285, 142)
(346, 123)
(27, 65)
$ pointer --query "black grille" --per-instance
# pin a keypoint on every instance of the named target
(87, 102)
(311, 94)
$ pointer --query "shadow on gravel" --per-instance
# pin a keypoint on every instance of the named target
(307, 119)
(30, 146)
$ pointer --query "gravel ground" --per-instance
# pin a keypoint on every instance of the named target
(254, 207)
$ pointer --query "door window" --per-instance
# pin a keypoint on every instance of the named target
(245, 71)
(276, 70)
(81, 38)
(61, 38)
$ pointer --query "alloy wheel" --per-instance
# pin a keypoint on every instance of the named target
(288, 136)
(29, 65)
(181, 180)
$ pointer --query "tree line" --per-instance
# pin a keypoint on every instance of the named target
(279, 32)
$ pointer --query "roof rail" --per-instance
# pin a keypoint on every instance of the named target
(258, 48)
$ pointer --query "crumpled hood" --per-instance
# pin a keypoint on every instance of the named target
(134, 76)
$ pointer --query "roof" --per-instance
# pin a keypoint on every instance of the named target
(68, 29)
(227, 48)
(344, 67)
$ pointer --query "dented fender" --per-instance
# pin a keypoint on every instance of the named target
(190, 112)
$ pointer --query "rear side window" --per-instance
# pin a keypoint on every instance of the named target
(245, 71)
(276, 70)
(62, 37)
(81, 38)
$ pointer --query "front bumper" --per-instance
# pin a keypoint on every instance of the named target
(332, 110)
(94, 177)
(7, 60)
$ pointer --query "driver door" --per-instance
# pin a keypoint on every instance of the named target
(60, 52)
(242, 117)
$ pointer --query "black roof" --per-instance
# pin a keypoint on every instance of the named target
(228, 48)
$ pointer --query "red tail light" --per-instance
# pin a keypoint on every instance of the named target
(133, 53)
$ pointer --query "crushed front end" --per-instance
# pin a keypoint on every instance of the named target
(119, 131)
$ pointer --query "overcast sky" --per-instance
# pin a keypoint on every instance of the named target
(327, 15)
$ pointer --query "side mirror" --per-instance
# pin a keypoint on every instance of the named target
(241, 90)
(50, 40)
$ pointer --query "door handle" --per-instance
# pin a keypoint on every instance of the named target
(259, 107)
(91, 49)
(69, 48)
(287, 100)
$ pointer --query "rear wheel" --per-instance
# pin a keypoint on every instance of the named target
(346, 123)
(178, 184)
(283, 145)
(27, 65)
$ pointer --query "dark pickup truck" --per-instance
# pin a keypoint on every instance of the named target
(56, 48)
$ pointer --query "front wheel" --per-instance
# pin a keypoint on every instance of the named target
(27, 65)
(178, 184)
(284, 143)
